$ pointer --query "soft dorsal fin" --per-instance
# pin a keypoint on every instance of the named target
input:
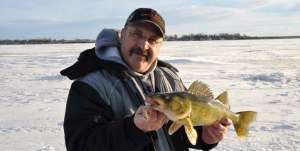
(200, 89)
(223, 97)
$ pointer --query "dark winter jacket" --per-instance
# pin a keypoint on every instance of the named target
(103, 99)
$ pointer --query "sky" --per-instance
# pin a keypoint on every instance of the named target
(71, 19)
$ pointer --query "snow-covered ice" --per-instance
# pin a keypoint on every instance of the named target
(260, 75)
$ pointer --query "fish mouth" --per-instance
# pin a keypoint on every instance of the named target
(157, 103)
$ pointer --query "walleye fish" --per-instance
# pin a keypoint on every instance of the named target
(198, 107)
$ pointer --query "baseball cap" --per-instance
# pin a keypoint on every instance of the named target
(147, 15)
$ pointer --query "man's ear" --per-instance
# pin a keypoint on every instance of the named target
(122, 33)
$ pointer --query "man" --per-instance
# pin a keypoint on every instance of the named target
(105, 107)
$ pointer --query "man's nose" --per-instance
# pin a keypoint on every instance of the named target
(143, 43)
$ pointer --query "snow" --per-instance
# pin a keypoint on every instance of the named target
(260, 75)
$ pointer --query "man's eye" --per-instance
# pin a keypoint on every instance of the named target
(136, 35)
(153, 41)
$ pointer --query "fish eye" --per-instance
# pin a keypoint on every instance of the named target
(167, 97)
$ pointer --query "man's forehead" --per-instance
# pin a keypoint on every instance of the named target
(144, 26)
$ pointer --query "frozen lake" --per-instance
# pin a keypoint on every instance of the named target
(260, 75)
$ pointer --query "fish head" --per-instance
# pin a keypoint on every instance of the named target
(174, 105)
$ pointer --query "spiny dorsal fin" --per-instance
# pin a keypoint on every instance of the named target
(200, 89)
(223, 97)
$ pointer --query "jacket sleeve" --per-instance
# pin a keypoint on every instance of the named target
(89, 124)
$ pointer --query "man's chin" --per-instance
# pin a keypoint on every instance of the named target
(140, 67)
(139, 64)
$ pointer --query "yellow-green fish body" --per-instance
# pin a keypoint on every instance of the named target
(197, 107)
(208, 112)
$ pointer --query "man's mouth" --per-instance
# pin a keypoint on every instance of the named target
(140, 52)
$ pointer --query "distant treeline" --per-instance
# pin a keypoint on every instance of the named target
(186, 37)
(44, 41)
(222, 36)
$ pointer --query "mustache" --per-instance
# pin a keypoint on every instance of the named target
(140, 51)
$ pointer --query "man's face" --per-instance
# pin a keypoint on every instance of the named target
(140, 46)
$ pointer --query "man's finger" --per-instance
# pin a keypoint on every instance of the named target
(217, 133)
(152, 114)
(218, 127)
(211, 132)
(161, 117)
(226, 122)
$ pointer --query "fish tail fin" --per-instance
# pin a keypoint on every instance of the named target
(242, 125)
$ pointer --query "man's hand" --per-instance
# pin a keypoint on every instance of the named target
(148, 119)
(215, 132)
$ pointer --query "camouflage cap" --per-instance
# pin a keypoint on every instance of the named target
(147, 15)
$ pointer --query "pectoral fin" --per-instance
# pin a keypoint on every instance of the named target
(174, 127)
(190, 131)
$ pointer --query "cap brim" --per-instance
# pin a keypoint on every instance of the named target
(153, 23)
